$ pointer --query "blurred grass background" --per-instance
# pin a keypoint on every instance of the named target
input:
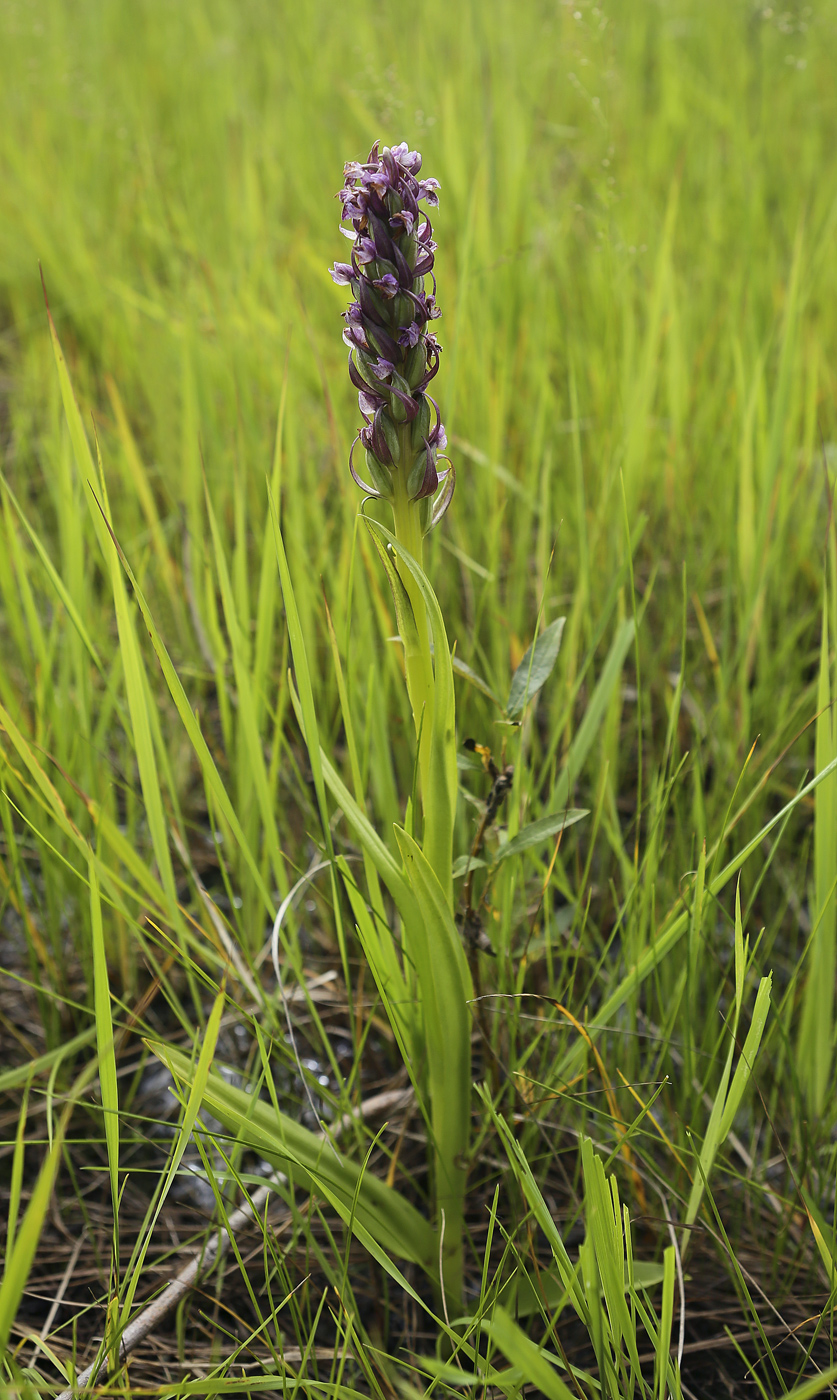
(637, 282)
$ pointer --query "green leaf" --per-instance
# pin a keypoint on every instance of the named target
(537, 832)
(317, 1166)
(816, 1030)
(532, 1294)
(445, 980)
(525, 1354)
(55, 579)
(582, 741)
(19, 1259)
(13, 1077)
(535, 668)
(664, 1333)
(382, 858)
(209, 771)
(747, 1058)
(461, 669)
(539, 1208)
(463, 864)
(669, 936)
(104, 1036)
(439, 781)
(379, 949)
(198, 1075)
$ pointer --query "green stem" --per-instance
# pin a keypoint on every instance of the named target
(419, 666)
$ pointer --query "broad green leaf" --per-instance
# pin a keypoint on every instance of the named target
(446, 989)
(370, 872)
(439, 775)
(537, 832)
(535, 668)
(384, 861)
(525, 1355)
(379, 949)
(317, 1166)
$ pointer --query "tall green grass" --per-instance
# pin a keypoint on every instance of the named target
(638, 290)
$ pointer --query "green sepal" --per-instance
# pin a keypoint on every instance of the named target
(397, 408)
(381, 477)
(421, 424)
(416, 477)
(416, 364)
(390, 433)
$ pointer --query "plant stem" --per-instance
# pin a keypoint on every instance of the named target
(419, 667)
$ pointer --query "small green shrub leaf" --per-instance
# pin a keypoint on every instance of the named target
(535, 668)
(539, 831)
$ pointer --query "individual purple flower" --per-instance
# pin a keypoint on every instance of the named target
(392, 354)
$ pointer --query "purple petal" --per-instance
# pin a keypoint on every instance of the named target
(382, 368)
(427, 191)
(410, 160)
(387, 285)
(402, 221)
(369, 404)
(342, 274)
(355, 338)
(365, 251)
(409, 336)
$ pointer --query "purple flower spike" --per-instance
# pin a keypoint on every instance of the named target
(392, 354)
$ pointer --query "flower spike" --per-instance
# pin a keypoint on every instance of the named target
(392, 354)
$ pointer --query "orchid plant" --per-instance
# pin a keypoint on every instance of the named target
(393, 356)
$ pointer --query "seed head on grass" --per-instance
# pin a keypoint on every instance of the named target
(392, 354)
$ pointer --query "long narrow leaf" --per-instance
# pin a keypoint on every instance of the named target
(317, 1166)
